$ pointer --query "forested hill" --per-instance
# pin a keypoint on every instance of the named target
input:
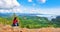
(31, 21)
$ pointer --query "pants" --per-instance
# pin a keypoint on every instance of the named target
(16, 24)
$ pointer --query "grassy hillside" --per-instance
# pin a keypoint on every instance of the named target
(28, 21)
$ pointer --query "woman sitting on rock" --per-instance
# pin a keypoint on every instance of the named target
(15, 22)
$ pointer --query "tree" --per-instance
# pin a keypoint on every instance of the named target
(56, 21)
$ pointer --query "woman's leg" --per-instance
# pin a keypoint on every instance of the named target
(17, 24)
(13, 24)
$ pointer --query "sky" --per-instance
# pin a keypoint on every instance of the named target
(40, 3)
(47, 7)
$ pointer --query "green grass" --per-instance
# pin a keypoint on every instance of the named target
(28, 22)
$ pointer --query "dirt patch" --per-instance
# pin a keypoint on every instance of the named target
(8, 28)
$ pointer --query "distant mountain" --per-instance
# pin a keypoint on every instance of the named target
(18, 14)
(23, 14)
(5, 14)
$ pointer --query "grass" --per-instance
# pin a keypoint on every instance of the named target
(28, 22)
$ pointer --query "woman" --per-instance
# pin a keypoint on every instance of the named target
(15, 22)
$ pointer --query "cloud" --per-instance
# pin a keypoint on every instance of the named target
(8, 4)
(22, 9)
(46, 11)
(29, 0)
(41, 1)
(50, 11)
(5, 6)
(5, 11)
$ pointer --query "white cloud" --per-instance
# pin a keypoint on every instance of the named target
(5, 11)
(29, 0)
(43, 1)
(20, 9)
(50, 11)
(8, 3)
(7, 6)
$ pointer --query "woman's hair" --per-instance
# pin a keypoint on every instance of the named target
(15, 18)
